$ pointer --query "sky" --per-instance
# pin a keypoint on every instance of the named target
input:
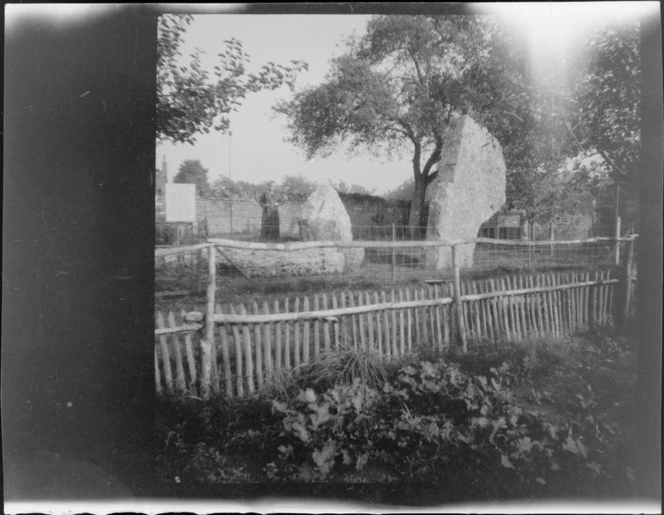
(257, 150)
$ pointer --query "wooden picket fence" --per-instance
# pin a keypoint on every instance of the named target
(252, 343)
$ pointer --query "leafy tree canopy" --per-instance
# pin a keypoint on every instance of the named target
(607, 100)
(192, 171)
(190, 100)
(398, 87)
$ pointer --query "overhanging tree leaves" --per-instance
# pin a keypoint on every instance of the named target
(606, 107)
(190, 100)
(607, 100)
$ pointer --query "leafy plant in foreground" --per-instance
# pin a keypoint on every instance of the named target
(428, 422)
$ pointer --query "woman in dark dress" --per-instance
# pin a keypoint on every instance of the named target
(270, 221)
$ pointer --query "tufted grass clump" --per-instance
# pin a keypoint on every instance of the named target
(345, 365)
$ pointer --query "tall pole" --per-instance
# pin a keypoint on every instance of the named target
(208, 342)
(230, 176)
(394, 238)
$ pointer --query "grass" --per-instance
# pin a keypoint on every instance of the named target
(343, 366)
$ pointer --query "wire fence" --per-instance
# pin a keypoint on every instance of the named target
(247, 266)
(248, 229)
(438, 313)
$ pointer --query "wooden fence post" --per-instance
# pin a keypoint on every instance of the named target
(629, 265)
(208, 341)
(394, 238)
(530, 257)
(551, 238)
(457, 297)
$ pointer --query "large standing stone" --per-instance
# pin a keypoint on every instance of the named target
(469, 189)
(324, 218)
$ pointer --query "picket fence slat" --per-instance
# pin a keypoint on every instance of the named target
(165, 355)
(225, 357)
(432, 318)
(343, 323)
(336, 325)
(278, 351)
(175, 345)
(306, 333)
(296, 331)
(360, 323)
(316, 327)
(326, 326)
(527, 331)
(551, 299)
(369, 321)
(287, 339)
(394, 342)
(238, 357)
(382, 327)
(418, 318)
(248, 351)
(402, 333)
(409, 332)
(191, 362)
(214, 366)
(248, 354)
(157, 373)
(354, 322)
(260, 360)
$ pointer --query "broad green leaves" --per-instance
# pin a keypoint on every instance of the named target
(426, 417)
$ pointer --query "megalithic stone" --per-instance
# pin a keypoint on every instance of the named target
(323, 218)
(469, 189)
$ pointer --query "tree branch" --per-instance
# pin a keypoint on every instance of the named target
(620, 171)
(435, 155)
(614, 166)
(516, 116)
(418, 70)
(417, 154)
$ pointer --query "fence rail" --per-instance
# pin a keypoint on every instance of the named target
(377, 244)
(182, 270)
(251, 343)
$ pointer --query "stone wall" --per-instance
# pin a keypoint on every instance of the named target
(247, 214)
(363, 214)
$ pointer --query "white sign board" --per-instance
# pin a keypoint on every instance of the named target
(509, 220)
(180, 202)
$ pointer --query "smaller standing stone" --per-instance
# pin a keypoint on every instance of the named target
(324, 218)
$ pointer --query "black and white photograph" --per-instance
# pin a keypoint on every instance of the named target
(312, 258)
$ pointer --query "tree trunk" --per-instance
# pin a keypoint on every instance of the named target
(416, 218)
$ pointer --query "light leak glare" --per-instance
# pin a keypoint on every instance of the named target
(62, 16)
(554, 32)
